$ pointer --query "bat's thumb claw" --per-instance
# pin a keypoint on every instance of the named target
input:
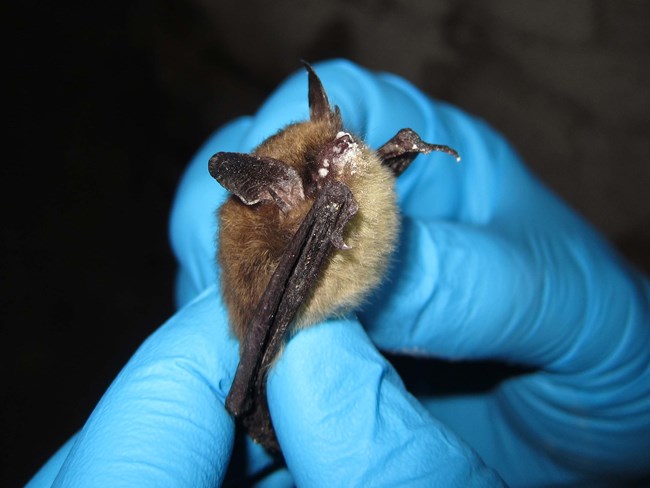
(338, 243)
(343, 211)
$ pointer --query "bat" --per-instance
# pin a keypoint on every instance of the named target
(306, 233)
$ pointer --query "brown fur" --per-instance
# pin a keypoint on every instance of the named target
(252, 238)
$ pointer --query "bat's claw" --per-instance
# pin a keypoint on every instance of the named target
(338, 242)
(346, 208)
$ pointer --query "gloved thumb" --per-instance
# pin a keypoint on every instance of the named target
(343, 418)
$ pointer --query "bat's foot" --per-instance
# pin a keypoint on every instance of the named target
(256, 420)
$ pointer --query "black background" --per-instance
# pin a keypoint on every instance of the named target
(106, 103)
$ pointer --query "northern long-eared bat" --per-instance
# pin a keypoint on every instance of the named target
(305, 235)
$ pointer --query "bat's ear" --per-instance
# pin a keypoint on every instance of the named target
(319, 105)
(257, 179)
(400, 151)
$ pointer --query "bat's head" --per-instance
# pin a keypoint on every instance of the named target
(294, 164)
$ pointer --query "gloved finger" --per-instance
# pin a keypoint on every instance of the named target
(45, 476)
(521, 427)
(512, 450)
(163, 422)
(463, 292)
(344, 418)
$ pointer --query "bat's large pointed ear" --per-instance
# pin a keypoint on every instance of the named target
(319, 105)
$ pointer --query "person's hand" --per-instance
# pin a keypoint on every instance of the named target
(162, 422)
(491, 265)
(341, 413)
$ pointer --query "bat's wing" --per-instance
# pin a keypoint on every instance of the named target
(400, 151)
(296, 274)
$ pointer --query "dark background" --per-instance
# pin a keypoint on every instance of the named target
(105, 105)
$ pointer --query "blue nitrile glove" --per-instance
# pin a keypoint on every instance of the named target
(490, 266)
(342, 414)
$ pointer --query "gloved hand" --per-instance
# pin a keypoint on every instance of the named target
(490, 265)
